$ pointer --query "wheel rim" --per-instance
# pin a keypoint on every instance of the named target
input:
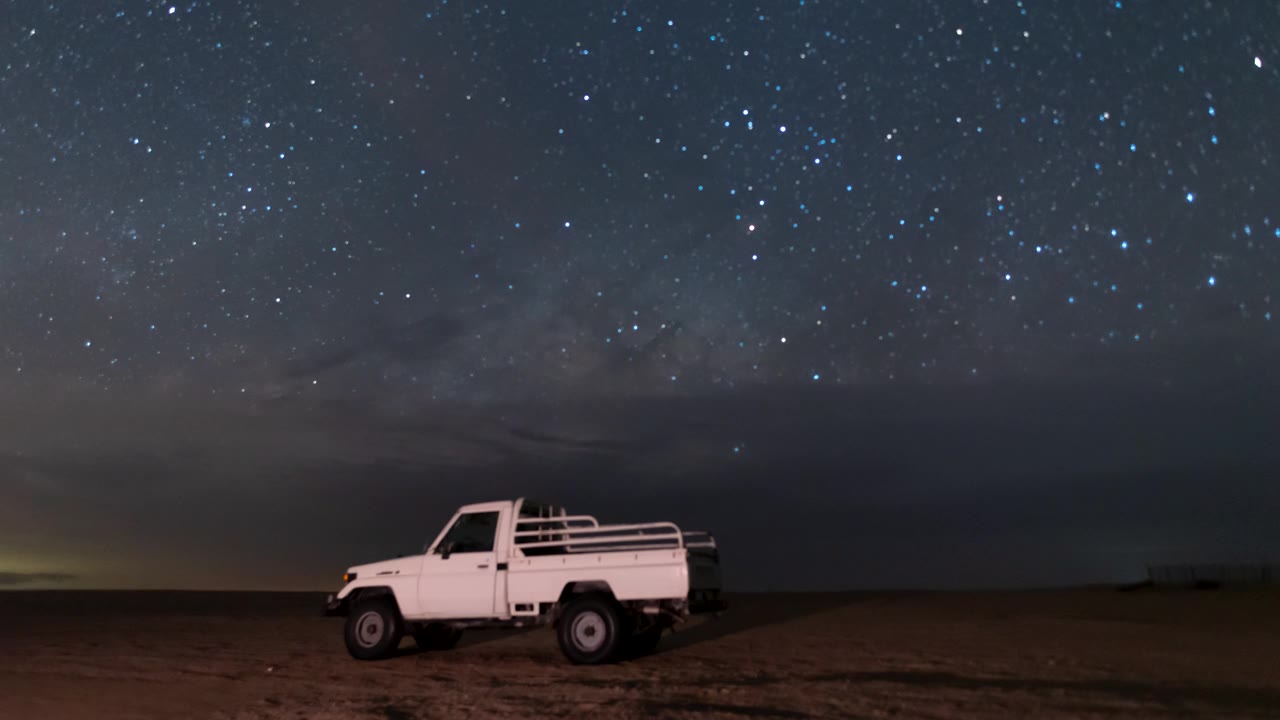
(370, 628)
(589, 631)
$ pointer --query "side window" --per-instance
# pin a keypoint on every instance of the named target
(472, 533)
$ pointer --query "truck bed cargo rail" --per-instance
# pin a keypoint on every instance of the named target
(583, 533)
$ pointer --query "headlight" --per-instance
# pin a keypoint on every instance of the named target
(348, 577)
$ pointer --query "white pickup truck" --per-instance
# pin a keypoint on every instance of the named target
(609, 590)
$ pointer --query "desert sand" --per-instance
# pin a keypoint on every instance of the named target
(1045, 654)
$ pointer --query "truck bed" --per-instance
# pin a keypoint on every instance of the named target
(638, 561)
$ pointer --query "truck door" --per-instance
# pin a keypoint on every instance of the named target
(458, 575)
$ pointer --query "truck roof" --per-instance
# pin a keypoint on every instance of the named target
(499, 504)
(490, 505)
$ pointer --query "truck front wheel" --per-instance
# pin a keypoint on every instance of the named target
(373, 629)
(591, 630)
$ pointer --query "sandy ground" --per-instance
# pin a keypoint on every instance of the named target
(1078, 654)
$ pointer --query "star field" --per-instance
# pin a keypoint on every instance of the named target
(471, 201)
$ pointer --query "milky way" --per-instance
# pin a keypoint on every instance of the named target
(465, 201)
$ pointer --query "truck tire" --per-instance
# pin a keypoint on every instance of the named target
(591, 630)
(373, 629)
(436, 636)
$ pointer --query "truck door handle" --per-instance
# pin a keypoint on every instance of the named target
(483, 566)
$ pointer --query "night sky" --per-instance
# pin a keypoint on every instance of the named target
(934, 293)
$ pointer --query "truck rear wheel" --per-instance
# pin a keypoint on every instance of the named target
(591, 630)
(373, 629)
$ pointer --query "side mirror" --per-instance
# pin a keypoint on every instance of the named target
(446, 549)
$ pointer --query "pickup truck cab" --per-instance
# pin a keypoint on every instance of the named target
(609, 590)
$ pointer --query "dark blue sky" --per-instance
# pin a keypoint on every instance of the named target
(422, 220)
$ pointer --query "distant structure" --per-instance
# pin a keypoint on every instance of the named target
(1212, 576)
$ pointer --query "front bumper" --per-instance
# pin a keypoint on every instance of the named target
(334, 607)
